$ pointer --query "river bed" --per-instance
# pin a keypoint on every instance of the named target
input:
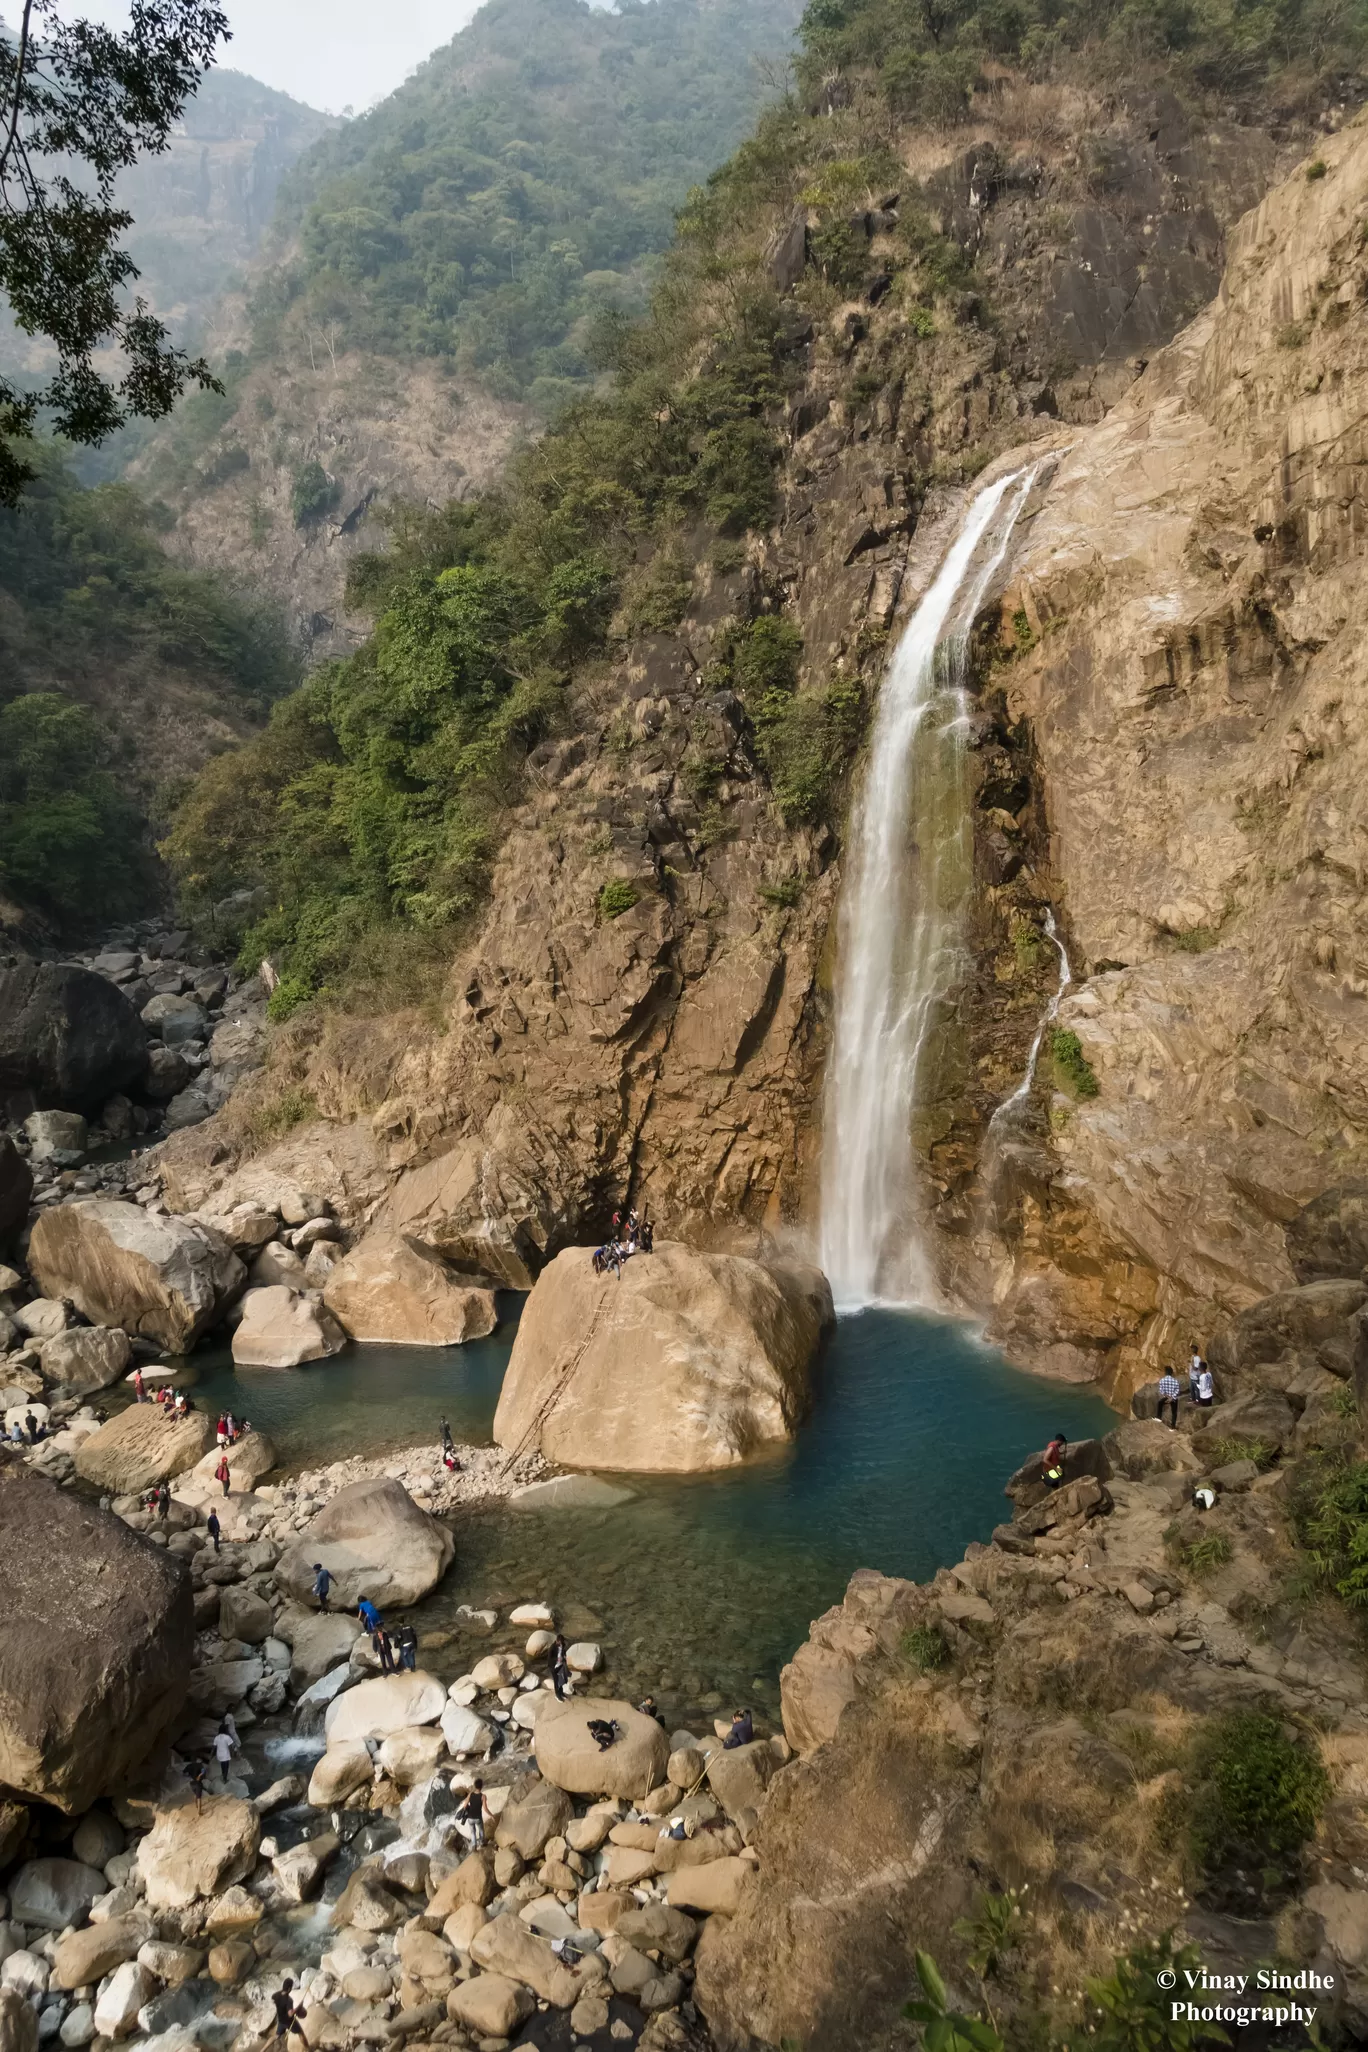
(700, 1588)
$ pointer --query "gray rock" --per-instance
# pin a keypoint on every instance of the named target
(167, 1072)
(57, 1137)
(174, 1019)
(1329, 1236)
(50, 1894)
(67, 1036)
(87, 1358)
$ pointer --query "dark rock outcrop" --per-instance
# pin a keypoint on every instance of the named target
(1329, 1237)
(95, 1654)
(68, 1037)
(16, 1189)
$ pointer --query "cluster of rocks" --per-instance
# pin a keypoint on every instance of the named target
(146, 1917)
(113, 1280)
(103, 1053)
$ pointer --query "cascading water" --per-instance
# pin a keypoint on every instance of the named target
(900, 947)
(1023, 1090)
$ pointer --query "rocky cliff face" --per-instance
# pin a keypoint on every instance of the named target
(1188, 662)
(646, 1004)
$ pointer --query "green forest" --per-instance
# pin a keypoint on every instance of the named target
(89, 603)
(372, 804)
(525, 177)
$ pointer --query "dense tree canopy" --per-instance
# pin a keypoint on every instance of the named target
(523, 178)
(78, 104)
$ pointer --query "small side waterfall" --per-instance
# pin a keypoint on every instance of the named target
(908, 876)
(1002, 1116)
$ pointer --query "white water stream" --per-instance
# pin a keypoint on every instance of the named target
(900, 945)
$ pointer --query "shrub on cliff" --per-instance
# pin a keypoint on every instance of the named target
(1256, 1794)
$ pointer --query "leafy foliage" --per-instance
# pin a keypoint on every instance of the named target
(1136, 2009)
(78, 104)
(994, 1930)
(1258, 1793)
(617, 897)
(1334, 1529)
(85, 582)
(521, 181)
(926, 1647)
(945, 2029)
(928, 55)
(312, 493)
(71, 842)
(1071, 1064)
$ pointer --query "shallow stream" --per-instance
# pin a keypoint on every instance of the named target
(701, 1588)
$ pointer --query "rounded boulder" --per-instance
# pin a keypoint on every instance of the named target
(569, 1755)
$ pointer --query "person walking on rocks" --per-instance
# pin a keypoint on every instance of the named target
(406, 1639)
(224, 1474)
(1169, 1392)
(164, 1501)
(221, 1431)
(214, 1528)
(322, 1584)
(194, 1774)
(223, 1751)
(472, 1815)
(1052, 1462)
(283, 2000)
(385, 1648)
(560, 1666)
(369, 1616)
(1195, 1366)
(139, 1393)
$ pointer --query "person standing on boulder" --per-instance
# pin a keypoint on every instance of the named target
(224, 1474)
(1195, 1366)
(223, 1751)
(1170, 1390)
(139, 1394)
(560, 1666)
(406, 1639)
(322, 1584)
(214, 1528)
(1052, 1462)
(164, 1500)
(384, 1647)
(369, 1616)
(1206, 1389)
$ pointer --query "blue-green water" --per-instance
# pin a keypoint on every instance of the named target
(700, 1588)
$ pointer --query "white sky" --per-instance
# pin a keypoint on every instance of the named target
(330, 53)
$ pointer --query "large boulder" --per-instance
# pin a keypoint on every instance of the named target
(67, 1036)
(375, 1542)
(249, 1458)
(391, 1289)
(1329, 1237)
(143, 1446)
(691, 1361)
(96, 1647)
(386, 1703)
(320, 1642)
(282, 1327)
(52, 1894)
(16, 1190)
(570, 1757)
(88, 1357)
(163, 1278)
(188, 1853)
(19, 2022)
(1311, 1323)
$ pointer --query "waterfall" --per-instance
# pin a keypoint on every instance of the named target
(1002, 1116)
(908, 875)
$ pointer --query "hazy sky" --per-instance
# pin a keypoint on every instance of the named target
(330, 53)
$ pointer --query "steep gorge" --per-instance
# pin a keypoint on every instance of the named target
(670, 1041)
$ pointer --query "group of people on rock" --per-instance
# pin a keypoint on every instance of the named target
(29, 1432)
(1201, 1388)
(630, 1235)
(396, 1651)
